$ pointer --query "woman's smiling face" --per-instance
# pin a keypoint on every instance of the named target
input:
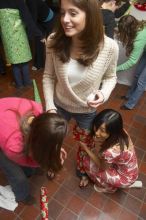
(73, 19)
(101, 132)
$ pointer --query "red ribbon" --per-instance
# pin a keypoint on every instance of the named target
(141, 7)
(44, 203)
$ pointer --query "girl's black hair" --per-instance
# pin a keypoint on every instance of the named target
(114, 127)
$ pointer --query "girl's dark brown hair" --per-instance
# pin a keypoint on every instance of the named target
(45, 138)
(42, 138)
(128, 26)
(92, 36)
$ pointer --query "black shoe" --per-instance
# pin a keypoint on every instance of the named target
(124, 97)
(123, 107)
(3, 73)
(29, 85)
(30, 200)
(19, 87)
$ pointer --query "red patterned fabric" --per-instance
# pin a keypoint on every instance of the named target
(82, 135)
(122, 169)
(44, 203)
(141, 7)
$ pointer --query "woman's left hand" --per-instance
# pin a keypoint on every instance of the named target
(98, 101)
(63, 155)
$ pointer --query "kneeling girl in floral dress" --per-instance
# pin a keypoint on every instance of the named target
(112, 164)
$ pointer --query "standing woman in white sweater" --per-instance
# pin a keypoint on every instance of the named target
(80, 69)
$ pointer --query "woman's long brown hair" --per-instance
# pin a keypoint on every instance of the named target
(128, 26)
(92, 37)
(45, 138)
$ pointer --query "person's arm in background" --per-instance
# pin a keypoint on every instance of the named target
(32, 6)
(139, 45)
(31, 27)
(121, 11)
(109, 23)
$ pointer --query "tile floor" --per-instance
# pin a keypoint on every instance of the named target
(66, 200)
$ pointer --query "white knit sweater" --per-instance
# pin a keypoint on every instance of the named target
(101, 75)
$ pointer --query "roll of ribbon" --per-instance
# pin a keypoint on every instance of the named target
(141, 7)
(44, 203)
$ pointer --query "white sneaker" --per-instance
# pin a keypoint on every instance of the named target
(34, 68)
(102, 190)
(136, 184)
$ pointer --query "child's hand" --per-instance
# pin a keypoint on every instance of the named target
(63, 155)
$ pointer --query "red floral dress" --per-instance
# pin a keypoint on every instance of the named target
(122, 169)
(122, 166)
(82, 135)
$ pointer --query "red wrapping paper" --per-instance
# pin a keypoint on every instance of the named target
(44, 203)
(141, 7)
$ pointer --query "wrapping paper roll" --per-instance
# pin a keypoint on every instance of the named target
(44, 203)
(37, 97)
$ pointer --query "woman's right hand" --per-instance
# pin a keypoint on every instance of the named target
(52, 111)
(99, 99)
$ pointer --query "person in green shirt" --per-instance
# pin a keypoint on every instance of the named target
(132, 34)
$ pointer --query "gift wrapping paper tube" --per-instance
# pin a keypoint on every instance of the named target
(44, 203)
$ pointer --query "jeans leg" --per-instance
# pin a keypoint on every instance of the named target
(16, 177)
(85, 120)
(67, 115)
(2, 67)
(137, 93)
(25, 74)
(29, 171)
(138, 71)
(17, 75)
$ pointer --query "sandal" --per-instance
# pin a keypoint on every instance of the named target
(50, 175)
(84, 182)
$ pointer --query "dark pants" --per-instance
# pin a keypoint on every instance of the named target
(139, 83)
(39, 54)
(39, 47)
(16, 176)
(83, 120)
(2, 66)
(21, 74)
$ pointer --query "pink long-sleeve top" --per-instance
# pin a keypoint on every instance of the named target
(11, 139)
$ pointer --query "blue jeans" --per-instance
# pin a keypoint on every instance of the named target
(16, 177)
(21, 74)
(139, 84)
(83, 120)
